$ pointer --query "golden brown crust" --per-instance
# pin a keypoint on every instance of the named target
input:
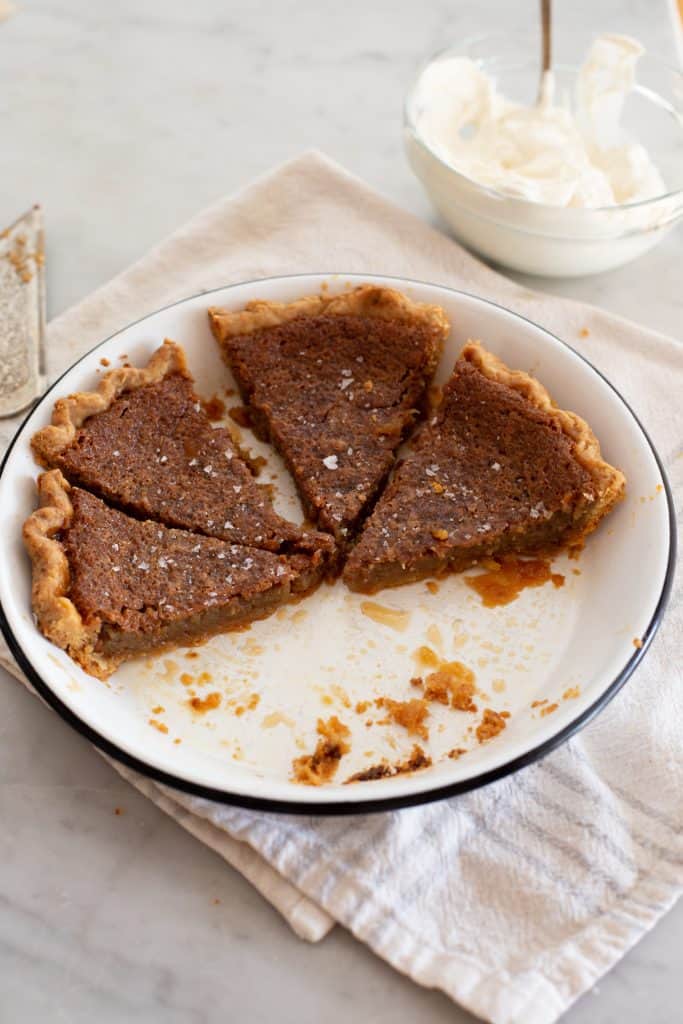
(609, 482)
(58, 618)
(70, 413)
(366, 300)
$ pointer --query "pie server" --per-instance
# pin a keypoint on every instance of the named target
(22, 313)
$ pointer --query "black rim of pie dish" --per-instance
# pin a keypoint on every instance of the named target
(377, 804)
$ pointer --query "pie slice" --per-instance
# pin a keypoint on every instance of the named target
(108, 587)
(334, 382)
(143, 443)
(498, 469)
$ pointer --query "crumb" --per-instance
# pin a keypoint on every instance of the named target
(571, 693)
(214, 408)
(240, 415)
(584, 332)
(418, 759)
(104, 361)
(539, 703)
(158, 725)
(456, 753)
(432, 586)
(410, 714)
(637, 642)
(362, 706)
(321, 766)
(119, 811)
(549, 709)
(158, 710)
(452, 684)
(491, 724)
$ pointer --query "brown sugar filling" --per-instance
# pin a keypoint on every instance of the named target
(490, 474)
(335, 394)
(155, 454)
(148, 586)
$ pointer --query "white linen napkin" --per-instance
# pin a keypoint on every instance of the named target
(514, 899)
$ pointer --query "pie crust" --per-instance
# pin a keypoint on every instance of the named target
(70, 413)
(609, 483)
(58, 618)
(367, 300)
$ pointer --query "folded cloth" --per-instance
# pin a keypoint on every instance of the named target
(516, 898)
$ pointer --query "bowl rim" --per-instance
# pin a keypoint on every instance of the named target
(370, 804)
(411, 125)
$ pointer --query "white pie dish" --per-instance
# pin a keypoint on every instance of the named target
(552, 640)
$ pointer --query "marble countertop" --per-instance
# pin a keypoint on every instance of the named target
(123, 120)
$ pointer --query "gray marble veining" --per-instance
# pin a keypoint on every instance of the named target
(123, 120)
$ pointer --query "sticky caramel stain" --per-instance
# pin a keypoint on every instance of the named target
(409, 714)
(252, 703)
(321, 766)
(158, 710)
(276, 718)
(342, 696)
(502, 585)
(571, 693)
(434, 636)
(159, 726)
(491, 724)
(426, 657)
(417, 760)
(170, 668)
(214, 408)
(584, 332)
(539, 703)
(548, 710)
(203, 704)
(394, 618)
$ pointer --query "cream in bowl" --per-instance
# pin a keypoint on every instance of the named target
(559, 185)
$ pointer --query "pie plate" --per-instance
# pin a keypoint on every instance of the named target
(572, 646)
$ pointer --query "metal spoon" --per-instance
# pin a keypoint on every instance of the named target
(546, 51)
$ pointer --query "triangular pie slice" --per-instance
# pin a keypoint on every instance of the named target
(143, 443)
(498, 469)
(334, 382)
(108, 587)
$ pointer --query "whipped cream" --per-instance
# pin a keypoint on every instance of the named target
(547, 153)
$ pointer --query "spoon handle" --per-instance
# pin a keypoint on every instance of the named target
(546, 16)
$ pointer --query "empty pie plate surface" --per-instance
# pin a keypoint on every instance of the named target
(227, 719)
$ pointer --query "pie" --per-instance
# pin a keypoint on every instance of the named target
(334, 383)
(143, 443)
(498, 469)
(108, 587)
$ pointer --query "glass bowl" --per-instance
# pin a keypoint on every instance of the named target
(532, 237)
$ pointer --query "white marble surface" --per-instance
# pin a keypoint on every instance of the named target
(124, 119)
